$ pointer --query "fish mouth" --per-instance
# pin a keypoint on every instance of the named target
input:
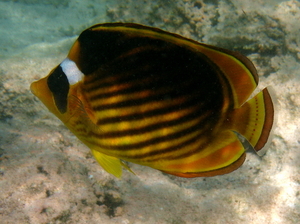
(41, 90)
(39, 87)
(34, 87)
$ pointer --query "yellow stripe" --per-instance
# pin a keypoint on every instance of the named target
(129, 110)
(148, 136)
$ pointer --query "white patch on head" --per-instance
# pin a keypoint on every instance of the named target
(74, 75)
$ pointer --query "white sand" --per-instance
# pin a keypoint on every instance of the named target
(48, 176)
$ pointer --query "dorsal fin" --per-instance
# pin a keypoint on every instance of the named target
(238, 70)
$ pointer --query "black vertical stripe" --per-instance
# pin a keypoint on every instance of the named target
(59, 86)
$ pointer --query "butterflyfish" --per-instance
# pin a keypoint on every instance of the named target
(143, 95)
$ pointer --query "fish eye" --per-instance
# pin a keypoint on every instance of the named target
(59, 86)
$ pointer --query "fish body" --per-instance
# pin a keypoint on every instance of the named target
(139, 94)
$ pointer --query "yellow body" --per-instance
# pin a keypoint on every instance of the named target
(157, 113)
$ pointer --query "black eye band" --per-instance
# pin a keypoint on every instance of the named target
(59, 86)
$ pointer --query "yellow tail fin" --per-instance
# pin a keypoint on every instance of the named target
(254, 120)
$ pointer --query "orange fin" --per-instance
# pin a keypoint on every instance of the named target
(224, 170)
(254, 120)
(78, 111)
(223, 155)
(238, 70)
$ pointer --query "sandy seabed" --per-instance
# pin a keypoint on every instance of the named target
(48, 176)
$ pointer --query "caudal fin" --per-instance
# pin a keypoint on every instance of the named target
(254, 120)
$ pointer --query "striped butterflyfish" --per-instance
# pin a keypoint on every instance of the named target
(140, 94)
